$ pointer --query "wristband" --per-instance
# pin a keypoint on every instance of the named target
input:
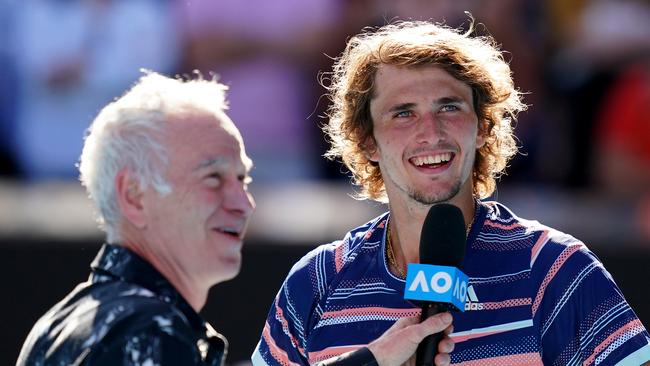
(360, 357)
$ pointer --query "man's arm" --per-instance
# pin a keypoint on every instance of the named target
(580, 312)
(283, 339)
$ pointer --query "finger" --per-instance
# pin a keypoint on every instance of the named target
(434, 324)
(442, 359)
(446, 345)
(449, 330)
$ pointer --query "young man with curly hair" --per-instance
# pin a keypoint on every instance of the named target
(422, 114)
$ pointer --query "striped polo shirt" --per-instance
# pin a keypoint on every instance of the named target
(536, 296)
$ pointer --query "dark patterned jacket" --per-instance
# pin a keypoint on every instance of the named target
(127, 313)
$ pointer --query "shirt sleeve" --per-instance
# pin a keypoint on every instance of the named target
(581, 313)
(284, 339)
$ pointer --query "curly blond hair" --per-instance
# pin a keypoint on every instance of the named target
(474, 60)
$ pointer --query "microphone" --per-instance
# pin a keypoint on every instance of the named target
(436, 281)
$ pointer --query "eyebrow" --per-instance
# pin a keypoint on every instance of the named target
(444, 100)
(219, 161)
(447, 100)
(401, 107)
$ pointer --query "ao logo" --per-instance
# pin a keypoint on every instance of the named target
(436, 284)
(440, 282)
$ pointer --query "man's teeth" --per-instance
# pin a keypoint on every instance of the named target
(432, 159)
(229, 231)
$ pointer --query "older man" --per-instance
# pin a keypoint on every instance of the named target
(167, 171)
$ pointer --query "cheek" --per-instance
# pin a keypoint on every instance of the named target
(390, 139)
(207, 200)
(207, 194)
(194, 206)
(381, 152)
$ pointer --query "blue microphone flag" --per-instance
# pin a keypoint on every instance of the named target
(442, 284)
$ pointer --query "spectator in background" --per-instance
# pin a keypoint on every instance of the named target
(72, 57)
(621, 162)
(593, 42)
(269, 50)
(602, 71)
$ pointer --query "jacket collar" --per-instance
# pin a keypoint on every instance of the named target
(118, 262)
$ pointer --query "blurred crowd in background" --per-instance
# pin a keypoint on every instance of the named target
(584, 64)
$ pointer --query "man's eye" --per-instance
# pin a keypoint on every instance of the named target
(213, 180)
(403, 114)
(449, 108)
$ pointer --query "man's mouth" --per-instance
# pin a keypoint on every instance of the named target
(234, 233)
(432, 161)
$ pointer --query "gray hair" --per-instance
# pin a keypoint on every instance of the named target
(126, 134)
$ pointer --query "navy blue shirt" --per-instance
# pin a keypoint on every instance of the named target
(536, 296)
(127, 313)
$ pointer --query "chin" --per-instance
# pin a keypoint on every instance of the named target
(222, 273)
(231, 267)
(441, 194)
(229, 275)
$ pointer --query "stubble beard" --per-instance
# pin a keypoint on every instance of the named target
(433, 198)
(442, 196)
(427, 199)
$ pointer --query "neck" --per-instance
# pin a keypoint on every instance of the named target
(191, 290)
(406, 227)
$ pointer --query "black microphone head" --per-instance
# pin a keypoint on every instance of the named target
(442, 241)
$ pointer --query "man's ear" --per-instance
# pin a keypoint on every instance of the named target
(129, 198)
(480, 136)
(370, 149)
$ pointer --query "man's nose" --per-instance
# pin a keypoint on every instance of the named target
(239, 200)
(429, 128)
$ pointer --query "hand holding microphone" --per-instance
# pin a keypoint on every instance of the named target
(398, 345)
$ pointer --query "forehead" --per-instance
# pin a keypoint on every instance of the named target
(194, 139)
(391, 79)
